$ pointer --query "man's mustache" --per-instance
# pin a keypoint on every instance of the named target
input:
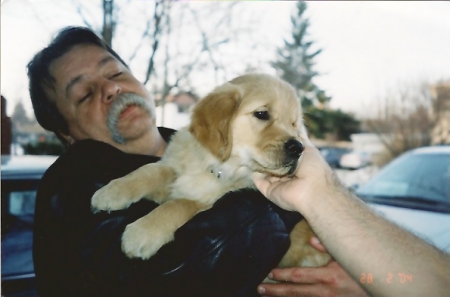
(118, 106)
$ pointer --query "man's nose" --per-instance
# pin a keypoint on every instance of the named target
(110, 90)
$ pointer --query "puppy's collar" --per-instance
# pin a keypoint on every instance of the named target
(217, 173)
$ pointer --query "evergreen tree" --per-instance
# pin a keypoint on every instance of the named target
(295, 62)
(19, 114)
(341, 124)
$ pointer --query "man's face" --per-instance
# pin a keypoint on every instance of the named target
(100, 98)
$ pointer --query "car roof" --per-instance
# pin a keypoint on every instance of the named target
(25, 166)
(442, 149)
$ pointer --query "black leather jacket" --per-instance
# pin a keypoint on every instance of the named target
(225, 251)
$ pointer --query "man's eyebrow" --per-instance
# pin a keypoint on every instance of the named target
(78, 78)
(72, 82)
(106, 60)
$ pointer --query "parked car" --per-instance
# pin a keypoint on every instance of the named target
(355, 160)
(20, 178)
(333, 155)
(414, 191)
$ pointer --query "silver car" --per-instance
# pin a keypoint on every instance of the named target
(414, 192)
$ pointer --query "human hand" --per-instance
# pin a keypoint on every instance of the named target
(330, 280)
(313, 176)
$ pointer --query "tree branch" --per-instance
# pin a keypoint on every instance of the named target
(157, 17)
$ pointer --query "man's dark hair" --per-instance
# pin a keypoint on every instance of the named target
(46, 112)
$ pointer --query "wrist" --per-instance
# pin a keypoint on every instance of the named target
(321, 194)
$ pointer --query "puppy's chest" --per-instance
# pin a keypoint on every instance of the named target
(206, 186)
(193, 163)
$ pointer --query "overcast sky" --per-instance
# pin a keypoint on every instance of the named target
(372, 47)
(368, 47)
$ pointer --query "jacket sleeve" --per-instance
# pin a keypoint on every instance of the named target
(225, 251)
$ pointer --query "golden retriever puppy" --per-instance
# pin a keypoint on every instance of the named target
(250, 124)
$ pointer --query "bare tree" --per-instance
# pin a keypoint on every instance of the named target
(154, 30)
(208, 44)
(206, 47)
(205, 21)
(108, 21)
(441, 107)
(407, 121)
(169, 43)
(84, 14)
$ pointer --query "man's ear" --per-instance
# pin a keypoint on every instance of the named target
(212, 118)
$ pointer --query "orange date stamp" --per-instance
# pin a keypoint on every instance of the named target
(402, 278)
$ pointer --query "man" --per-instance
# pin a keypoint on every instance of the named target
(83, 92)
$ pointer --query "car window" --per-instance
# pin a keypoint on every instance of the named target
(18, 201)
(424, 176)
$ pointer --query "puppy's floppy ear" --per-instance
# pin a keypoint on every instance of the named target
(212, 118)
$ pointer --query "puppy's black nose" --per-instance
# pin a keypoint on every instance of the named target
(293, 148)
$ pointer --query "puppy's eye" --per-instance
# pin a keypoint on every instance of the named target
(262, 115)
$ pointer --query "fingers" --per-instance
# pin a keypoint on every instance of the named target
(295, 281)
(311, 281)
(302, 275)
(292, 290)
(315, 243)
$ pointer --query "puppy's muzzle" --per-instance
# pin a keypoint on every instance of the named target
(293, 149)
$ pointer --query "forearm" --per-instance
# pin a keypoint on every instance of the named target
(393, 262)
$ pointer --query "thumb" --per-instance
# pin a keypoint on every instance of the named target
(268, 185)
(261, 183)
(271, 188)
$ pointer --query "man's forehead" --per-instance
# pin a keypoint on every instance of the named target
(81, 56)
(68, 69)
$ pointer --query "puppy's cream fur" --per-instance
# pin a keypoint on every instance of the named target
(240, 128)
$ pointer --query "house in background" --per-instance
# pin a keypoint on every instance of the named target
(18, 132)
(185, 101)
(175, 112)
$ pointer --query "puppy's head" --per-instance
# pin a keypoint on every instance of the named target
(255, 119)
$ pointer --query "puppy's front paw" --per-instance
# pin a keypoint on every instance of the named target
(141, 240)
(113, 196)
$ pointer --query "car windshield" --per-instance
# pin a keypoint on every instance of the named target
(412, 178)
